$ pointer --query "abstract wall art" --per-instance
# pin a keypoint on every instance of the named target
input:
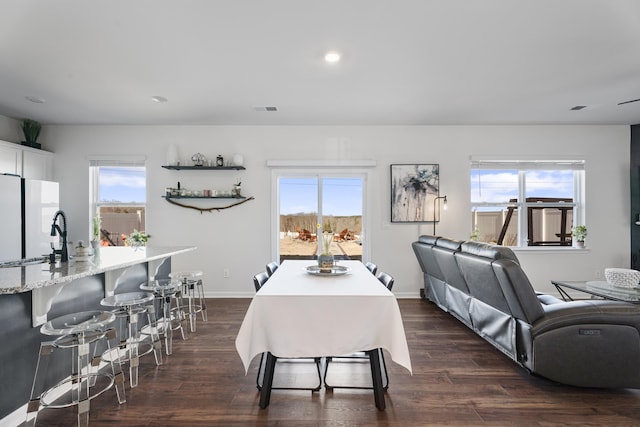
(413, 190)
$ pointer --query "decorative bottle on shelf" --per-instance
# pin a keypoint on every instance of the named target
(219, 160)
(172, 155)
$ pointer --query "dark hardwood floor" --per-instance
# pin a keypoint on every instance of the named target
(458, 379)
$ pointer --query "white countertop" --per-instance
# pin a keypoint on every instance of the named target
(23, 279)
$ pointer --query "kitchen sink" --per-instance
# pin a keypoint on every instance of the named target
(23, 262)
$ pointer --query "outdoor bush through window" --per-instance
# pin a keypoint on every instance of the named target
(526, 203)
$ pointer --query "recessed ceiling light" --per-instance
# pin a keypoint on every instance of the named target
(332, 57)
(159, 99)
(35, 99)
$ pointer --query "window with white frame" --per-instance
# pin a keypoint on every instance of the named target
(526, 203)
(118, 197)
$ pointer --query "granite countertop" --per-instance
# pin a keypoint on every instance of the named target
(26, 278)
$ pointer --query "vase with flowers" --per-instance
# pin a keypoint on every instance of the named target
(326, 261)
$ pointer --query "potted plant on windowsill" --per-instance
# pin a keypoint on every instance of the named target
(31, 130)
(579, 233)
(96, 225)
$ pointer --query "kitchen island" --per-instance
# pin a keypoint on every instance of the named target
(32, 294)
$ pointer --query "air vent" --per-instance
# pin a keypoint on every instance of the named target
(265, 108)
(578, 107)
(628, 102)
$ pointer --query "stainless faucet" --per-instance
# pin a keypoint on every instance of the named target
(64, 253)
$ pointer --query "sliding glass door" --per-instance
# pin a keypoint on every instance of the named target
(309, 204)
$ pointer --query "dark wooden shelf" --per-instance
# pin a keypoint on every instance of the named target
(205, 198)
(209, 168)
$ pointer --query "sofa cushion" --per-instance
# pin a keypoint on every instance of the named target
(452, 245)
(443, 252)
(487, 250)
(516, 288)
(429, 240)
(481, 280)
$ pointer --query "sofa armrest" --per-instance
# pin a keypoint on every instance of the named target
(590, 312)
(546, 299)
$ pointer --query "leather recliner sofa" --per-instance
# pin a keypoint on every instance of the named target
(587, 343)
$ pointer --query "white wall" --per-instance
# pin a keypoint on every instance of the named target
(10, 130)
(238, 239)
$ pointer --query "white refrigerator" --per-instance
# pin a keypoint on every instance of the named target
(27, 208)
(40, 202)
(10, 217)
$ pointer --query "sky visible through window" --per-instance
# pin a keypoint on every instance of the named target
(342, 196)
(123, 184)
(499, 186)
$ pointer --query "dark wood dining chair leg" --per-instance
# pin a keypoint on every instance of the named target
(267, 382)
(376, 376)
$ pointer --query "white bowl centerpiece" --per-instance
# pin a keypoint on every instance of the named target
(622, 277)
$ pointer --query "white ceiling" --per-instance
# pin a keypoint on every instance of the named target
(404, 62)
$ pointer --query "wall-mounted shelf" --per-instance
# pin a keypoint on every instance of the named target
(208, 168)
(240, 200)
(205, 198)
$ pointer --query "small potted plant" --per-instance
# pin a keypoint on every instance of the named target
(96, 225)
(137, 239)
(579, 232)
(31, 130)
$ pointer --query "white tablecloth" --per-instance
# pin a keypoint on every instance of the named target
(297, 314)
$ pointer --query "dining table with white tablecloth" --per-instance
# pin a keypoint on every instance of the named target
(300, 312)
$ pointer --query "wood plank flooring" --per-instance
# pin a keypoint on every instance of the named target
(458, 379)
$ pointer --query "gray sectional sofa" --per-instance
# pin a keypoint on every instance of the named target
(588, 343)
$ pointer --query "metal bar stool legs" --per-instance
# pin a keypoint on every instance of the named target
(168, 293)
(77, 333)
(193, 290)
(131, 306)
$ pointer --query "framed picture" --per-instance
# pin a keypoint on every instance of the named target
(413, 191)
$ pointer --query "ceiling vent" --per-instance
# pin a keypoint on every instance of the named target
(265, 108)
(578, 107)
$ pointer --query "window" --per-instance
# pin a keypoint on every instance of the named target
(333, 200)
(118, 195)
(526, 203)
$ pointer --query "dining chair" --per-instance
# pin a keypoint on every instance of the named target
(371, 267)
(387, 280)
(258, 281)
(272, 267)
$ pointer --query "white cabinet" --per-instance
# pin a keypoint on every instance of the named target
(10, 158)
(37, 164)
(26, 161)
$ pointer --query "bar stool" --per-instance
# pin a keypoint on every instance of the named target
(192, 288)
(167, 291)
(130, 306)
(77, 332)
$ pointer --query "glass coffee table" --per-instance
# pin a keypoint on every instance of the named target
(600, 289)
